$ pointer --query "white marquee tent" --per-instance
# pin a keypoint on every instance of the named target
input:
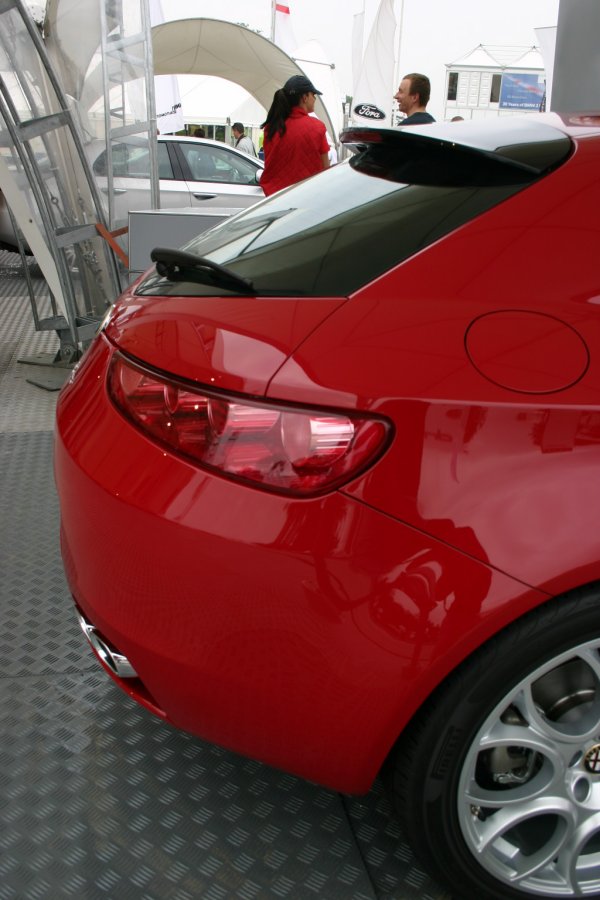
(226, 50)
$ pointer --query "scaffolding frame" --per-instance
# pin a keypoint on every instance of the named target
(54, 202)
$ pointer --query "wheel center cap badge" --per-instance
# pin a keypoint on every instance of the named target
(592, 759)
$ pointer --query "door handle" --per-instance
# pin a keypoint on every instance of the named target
(115, 190)
(205, 196)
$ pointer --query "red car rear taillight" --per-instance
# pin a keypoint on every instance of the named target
(285, 449)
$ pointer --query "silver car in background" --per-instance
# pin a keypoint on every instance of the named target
(193, 172)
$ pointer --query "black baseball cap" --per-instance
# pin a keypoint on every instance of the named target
(300, 84)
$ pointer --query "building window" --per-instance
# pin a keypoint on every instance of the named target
(452, 85)
(495, 91)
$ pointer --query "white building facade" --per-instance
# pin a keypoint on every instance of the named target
(495, 81)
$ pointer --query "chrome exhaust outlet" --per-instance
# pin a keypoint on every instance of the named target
(116, 662)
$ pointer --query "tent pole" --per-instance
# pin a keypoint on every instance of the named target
(398, 70)
(273, 12)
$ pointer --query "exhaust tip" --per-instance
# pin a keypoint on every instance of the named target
(118, 664)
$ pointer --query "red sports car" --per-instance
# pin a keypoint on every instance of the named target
(330, 490)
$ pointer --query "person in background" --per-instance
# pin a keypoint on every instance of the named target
(457, 119)
(295, 143)
(241, 140)
(413, 97)
(333, 156)
(199, 132)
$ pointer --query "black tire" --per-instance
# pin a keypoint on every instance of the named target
(538, 682)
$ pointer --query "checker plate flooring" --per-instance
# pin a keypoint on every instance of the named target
(99, 799)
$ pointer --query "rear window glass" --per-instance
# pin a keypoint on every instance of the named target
(337, 231)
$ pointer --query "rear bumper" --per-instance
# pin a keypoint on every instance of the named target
(302, 633)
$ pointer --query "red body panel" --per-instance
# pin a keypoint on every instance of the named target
(506, 475)
(306, 633)
(232, 343)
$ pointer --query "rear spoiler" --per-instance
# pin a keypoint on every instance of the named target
(450, 154)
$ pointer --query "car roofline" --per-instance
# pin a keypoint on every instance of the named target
(497, 139)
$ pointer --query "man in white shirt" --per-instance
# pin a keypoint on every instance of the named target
(241, 140)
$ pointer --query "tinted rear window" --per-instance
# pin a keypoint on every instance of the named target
(334, 233)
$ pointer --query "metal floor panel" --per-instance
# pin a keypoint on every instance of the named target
(98, 798)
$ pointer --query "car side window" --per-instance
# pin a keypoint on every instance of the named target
(133, 161)
(217, 164)
(137, 164)
(199, 161)
(165, 169)
(232, 168)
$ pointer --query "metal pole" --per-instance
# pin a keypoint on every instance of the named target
(150, 104)
(398, 76)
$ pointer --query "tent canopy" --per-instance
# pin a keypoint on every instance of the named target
(226, 50)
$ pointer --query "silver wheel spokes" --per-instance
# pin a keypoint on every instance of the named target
(529, 793)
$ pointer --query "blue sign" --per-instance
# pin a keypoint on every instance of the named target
(522, 91)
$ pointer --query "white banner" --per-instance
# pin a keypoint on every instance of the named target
(284, 33)
(372, 99)
(169, 114)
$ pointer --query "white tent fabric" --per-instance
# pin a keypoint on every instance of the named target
(479, 58)
(491, 56)
(213, 47)
(205, 98)
(358, 30)
(531, 59)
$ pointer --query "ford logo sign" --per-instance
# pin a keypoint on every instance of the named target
(368, 111)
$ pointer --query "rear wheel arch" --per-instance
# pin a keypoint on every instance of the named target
(426, 767)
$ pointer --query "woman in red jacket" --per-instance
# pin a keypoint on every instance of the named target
(295, 144)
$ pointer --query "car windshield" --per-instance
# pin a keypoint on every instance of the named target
(335, 232)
